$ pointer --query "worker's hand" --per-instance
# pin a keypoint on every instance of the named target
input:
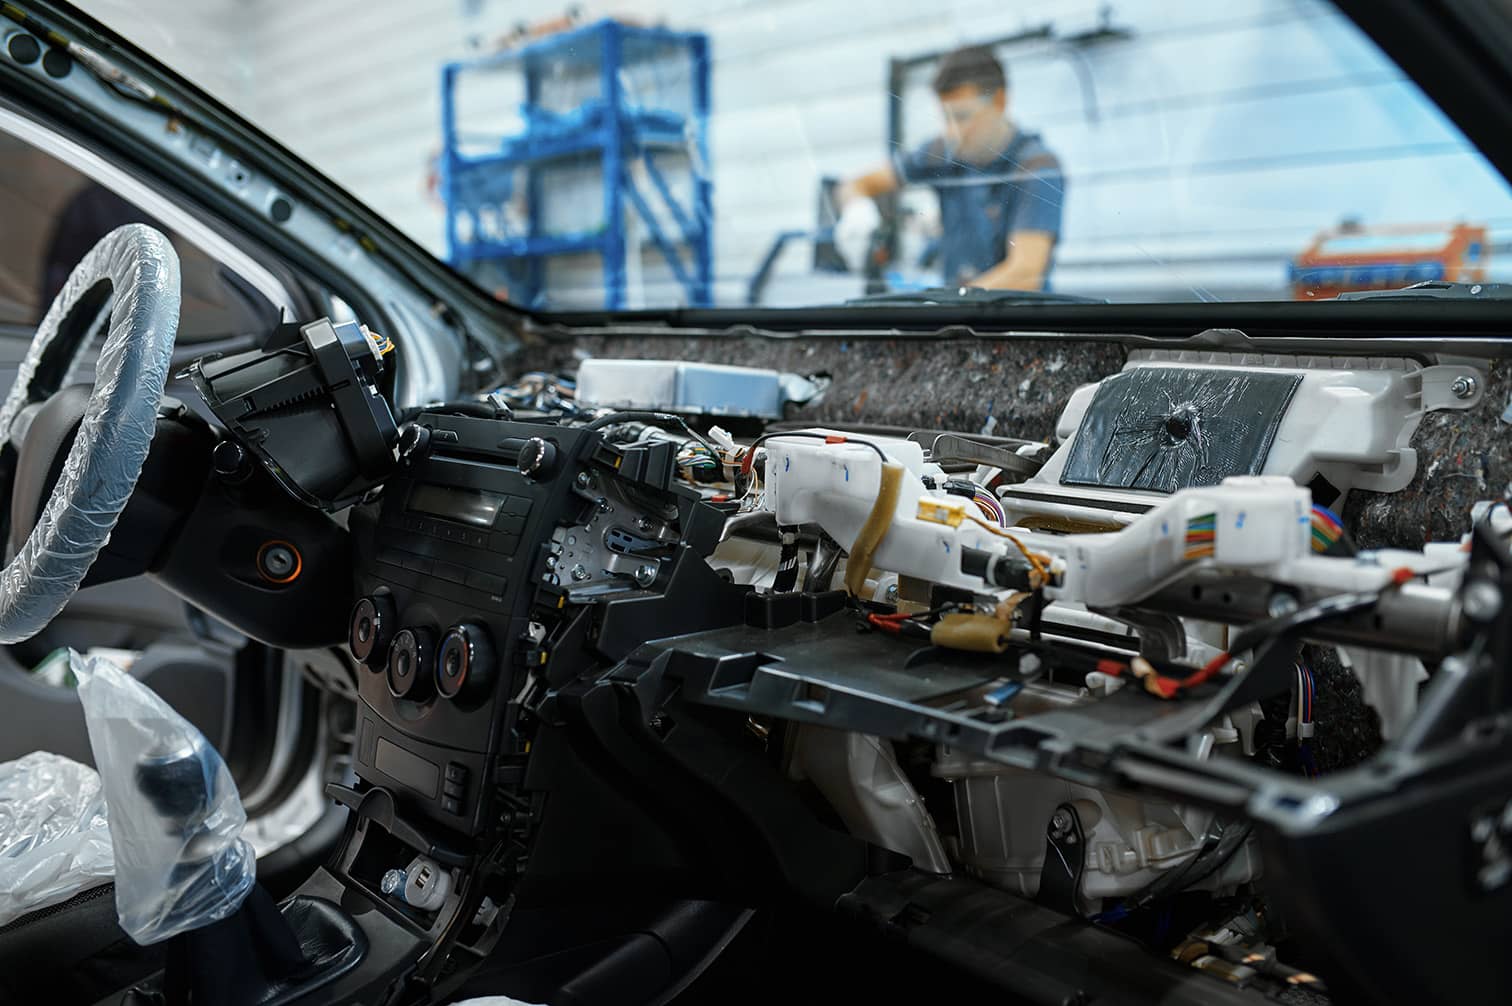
(853, 231)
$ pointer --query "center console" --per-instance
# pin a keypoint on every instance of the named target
(500, 556)
(450, 581)
(484, 562)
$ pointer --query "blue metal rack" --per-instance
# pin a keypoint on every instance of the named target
(610, 127)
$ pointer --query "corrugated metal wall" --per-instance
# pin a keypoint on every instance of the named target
(1202, 151)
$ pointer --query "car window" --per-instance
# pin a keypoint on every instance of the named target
(53, 215)
(782, 153)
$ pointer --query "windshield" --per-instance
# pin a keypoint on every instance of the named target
(728, 153)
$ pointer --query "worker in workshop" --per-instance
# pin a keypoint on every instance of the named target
(1000, 188)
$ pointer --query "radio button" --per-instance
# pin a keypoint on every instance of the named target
(537, 458)
(486, 582)
(449, 571)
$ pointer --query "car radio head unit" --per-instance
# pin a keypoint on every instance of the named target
(489, 536)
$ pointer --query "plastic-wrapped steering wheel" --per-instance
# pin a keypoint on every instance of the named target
(133, 274)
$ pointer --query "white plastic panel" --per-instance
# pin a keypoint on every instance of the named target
(1351, 419)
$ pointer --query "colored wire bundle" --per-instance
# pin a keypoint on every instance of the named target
(1167, 687)
(1201, 535)
(904, 623)
(1327, 529)
(989, 505)
(539, 391)
(695, 455)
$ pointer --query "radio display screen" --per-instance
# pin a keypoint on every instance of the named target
(469, 506)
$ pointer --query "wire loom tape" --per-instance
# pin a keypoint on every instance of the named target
(877, 522)
(116, 432)
(978, 632)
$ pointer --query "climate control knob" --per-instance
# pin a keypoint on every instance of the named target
(371, 629)
(411, 663)
(465, 663)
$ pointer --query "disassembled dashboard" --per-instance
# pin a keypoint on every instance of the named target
(605, 645)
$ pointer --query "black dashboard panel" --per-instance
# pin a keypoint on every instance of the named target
(451, 559)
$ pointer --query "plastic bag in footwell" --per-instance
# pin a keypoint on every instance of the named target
(54, 842)
(176, 818)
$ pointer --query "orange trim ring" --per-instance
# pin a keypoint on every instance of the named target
(298, 562)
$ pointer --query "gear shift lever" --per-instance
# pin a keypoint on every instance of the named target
(184, 874)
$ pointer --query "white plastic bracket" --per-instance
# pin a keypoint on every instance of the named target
(1451, 386)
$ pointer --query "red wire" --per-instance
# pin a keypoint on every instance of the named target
(1167, 687)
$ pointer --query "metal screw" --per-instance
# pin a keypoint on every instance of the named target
(1060, 823)
(551, 562)
(1463, 387)
(892, 593)
(1482, 601)
(580, 572)
(645, 575)
(582, 480)
(1280, 604)
(643, 523)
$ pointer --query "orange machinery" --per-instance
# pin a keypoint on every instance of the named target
(1351, 257)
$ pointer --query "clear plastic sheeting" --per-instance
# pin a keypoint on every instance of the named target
(176, 818)
(54, 841)
(1170, 428)
(139, 270)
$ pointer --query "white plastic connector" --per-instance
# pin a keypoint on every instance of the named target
(721, 438)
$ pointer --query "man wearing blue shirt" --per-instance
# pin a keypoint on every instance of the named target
(1001, 190)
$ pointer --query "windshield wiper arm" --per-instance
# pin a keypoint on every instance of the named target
(1436, 290)
(957, 296)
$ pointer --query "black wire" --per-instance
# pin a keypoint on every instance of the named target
(817, 436)
(477, 410)
(648, 417)
(1219, 847)
(1329, 607)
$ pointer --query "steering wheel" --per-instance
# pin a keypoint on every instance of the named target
(133, 274)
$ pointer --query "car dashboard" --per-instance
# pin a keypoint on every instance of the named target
(1143, 666)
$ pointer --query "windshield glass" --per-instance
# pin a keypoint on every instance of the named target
(796, 152)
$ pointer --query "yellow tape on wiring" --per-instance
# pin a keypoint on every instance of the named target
(938, 511)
